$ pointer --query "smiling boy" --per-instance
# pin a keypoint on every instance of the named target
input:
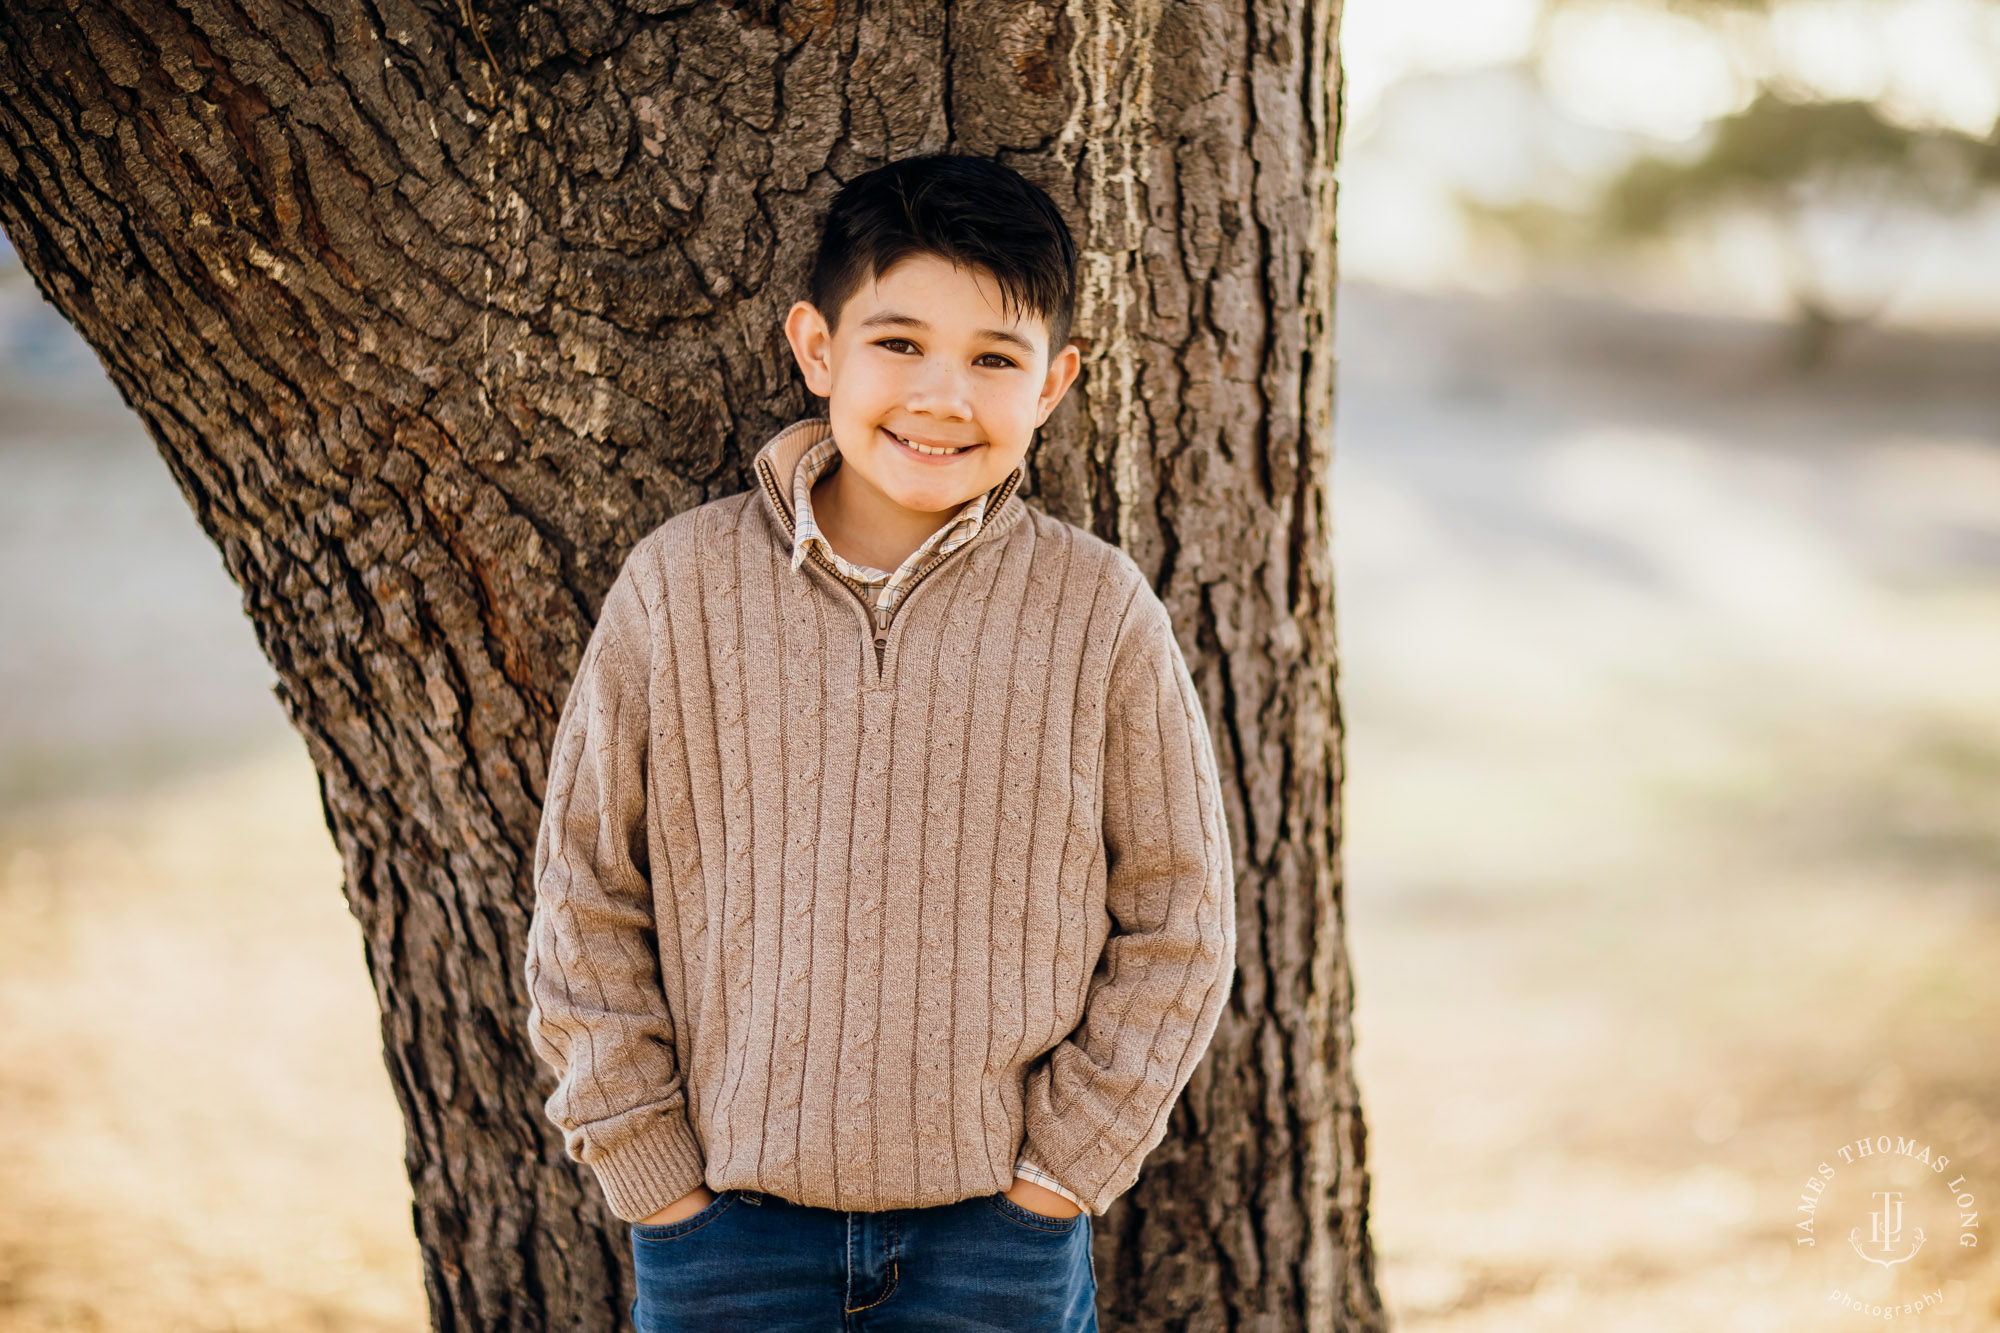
(884, 899)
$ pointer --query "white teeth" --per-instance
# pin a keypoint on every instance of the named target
(923, 448)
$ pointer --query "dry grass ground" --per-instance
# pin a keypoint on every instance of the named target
(199, 1133)
(1594, 1105)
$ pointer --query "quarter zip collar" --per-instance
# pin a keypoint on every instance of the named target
(775, 465)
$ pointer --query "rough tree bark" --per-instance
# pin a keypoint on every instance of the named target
(434, 307)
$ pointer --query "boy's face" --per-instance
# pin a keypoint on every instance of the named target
(925, 358)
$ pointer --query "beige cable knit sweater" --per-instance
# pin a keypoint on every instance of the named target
(855, 924)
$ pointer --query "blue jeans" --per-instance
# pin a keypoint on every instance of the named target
(757, 1262)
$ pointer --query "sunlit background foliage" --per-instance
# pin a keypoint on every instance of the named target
(1824, 161)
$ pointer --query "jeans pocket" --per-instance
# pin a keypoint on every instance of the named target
(687, 1225)
(1032, 1220)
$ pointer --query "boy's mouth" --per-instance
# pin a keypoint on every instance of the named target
(928, 450)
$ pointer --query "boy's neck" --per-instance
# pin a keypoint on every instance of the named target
(866, 527)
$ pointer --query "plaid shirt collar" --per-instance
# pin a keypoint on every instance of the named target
(887, 587)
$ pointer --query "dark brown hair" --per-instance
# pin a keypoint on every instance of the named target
(966, 210)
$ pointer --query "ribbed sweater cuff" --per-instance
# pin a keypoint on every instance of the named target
(1095, 1170)
(651, 1170)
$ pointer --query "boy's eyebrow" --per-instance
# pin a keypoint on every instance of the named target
(894, 320)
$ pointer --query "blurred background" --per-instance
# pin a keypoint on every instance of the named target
(1668, 545)
(1667, 492)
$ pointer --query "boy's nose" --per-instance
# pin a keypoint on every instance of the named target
(940, 392)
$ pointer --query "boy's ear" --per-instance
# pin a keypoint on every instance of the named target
(1063, 369)
(812, 346)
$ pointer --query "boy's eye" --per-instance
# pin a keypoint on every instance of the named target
(900, 345)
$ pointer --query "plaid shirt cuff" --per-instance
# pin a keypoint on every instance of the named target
(1027, 1170)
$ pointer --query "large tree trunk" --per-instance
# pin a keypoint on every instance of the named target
(434, 309)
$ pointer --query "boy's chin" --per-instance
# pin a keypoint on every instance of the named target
(929, 488)
(934, 499)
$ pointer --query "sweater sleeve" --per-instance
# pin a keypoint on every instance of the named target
(1098, 1103)
(598, 1014)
